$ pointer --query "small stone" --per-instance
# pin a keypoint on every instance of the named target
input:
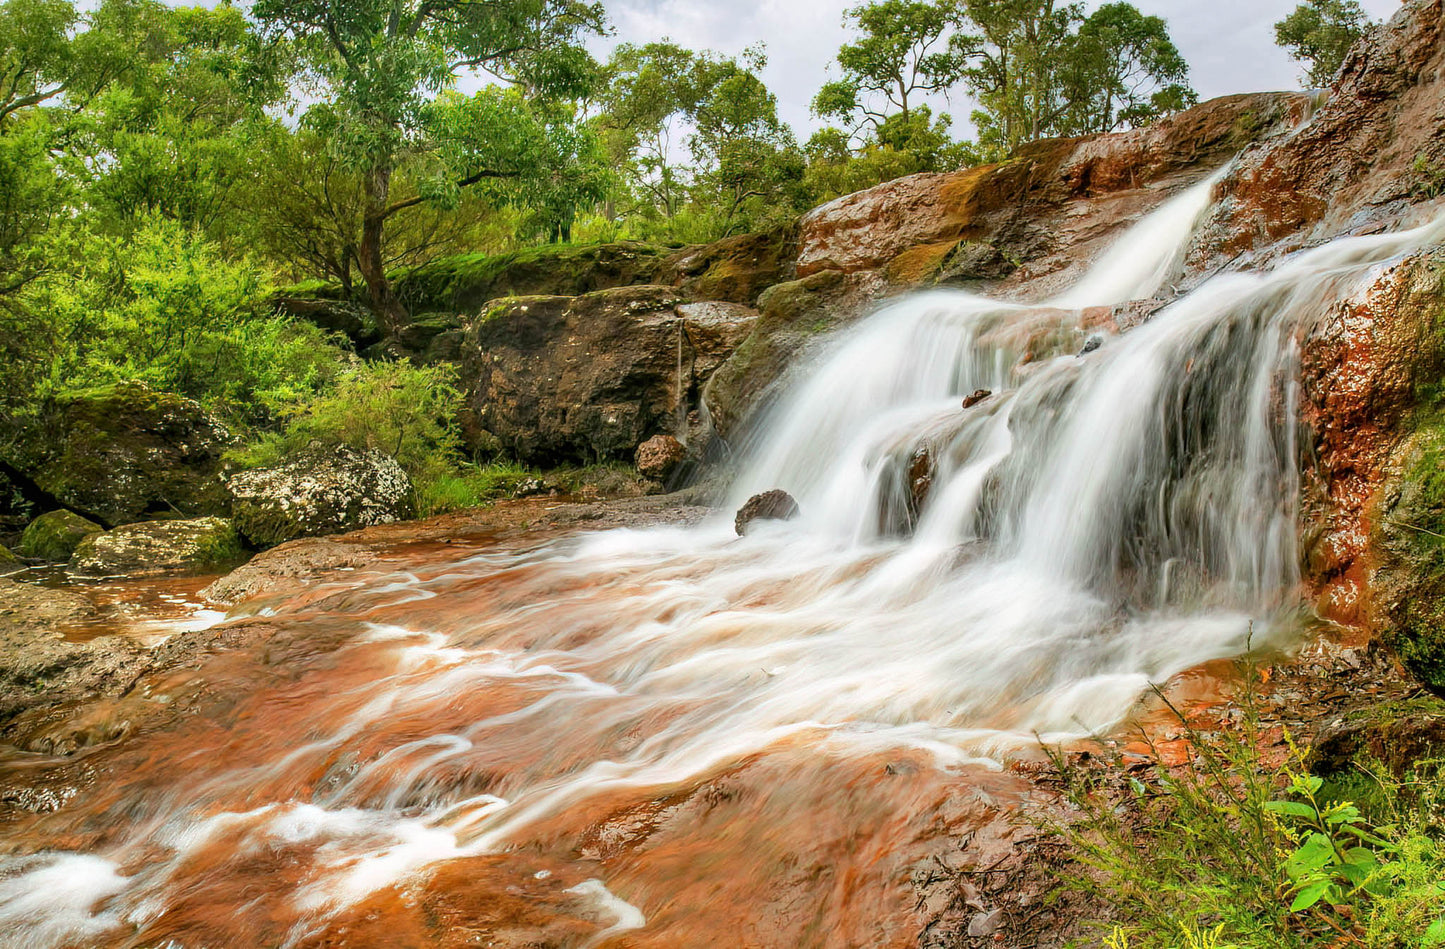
(978, 396)
(1091, 344)
(985, 924)
(774, 505)
(659, 456)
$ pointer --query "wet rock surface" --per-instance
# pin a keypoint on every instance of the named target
(324, 491)
(774, 505)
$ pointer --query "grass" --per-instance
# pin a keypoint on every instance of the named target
(1233, 852)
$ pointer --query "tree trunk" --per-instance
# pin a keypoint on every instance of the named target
(390, 314)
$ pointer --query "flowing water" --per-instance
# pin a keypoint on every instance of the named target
(666, 737)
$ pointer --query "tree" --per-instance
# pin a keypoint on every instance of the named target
(1045, 69)
(1318, 34)
(383, 65)
(1122, 69)
(908, 48)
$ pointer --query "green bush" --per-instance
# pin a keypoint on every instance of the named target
(469, 486)
(1229, 853)
(167, 308)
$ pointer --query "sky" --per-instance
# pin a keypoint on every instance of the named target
(1229, 44)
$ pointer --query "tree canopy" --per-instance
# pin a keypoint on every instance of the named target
(1318, 34)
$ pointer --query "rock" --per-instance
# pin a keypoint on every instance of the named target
(289, 565)
(659, 456)
(774, 505)
(978, 396)
(54, 536)
(1041, 215)
(126, 451)
(735, 269)
(463, 284)
(152, 547)
(1365, 156)
(562, 379)
(328, 311)
(9, 563)
(323, 491)
(1396, 734)
(794, 315)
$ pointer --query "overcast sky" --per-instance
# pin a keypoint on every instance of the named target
(1229, 43)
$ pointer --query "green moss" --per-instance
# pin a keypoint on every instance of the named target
(464, 282)
(220, 549)
(54, 536)
(9, 563)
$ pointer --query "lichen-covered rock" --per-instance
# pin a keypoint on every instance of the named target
(659, 456)
(55, 535)
(126, 451)
(578, 379)
(322, 491)
(152, 547)
(774, 505)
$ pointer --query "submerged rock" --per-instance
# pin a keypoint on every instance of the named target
(153, 547)
(54, 536)
(774, 505)
(324, 491)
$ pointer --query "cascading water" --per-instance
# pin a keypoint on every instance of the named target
(958, 581)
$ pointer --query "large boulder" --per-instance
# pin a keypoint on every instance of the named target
(735, 269)
(123, 452)
(323, 491)
(55, 536)
(556, 379)
(152, 547)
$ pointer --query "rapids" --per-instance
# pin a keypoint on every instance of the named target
(640, 736)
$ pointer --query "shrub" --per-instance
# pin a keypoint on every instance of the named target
(1230, 853)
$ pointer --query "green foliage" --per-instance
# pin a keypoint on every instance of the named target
(1046, 69)
(1318, 34)
(469, 486)
(1430, 177)
(167, 308)
(1229, 852)
(383, 68)
(746, 171)
(906, 49)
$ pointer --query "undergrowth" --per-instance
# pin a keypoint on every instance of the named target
(1231, 851)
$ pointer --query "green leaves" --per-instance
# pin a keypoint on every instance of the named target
(1318, 34)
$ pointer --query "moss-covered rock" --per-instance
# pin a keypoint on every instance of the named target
(151, 547)
(54, 536)
(9, 563)
(1396, 734)
(735, 269)
(793, 314)
(461, 284)
(126, 451)
(323, 491)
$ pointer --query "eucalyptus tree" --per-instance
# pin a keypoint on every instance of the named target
(1122, 69)
(1318, 33)
(385, 72)
(906, 49)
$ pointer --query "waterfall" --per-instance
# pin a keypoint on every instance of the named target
(959, 581)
